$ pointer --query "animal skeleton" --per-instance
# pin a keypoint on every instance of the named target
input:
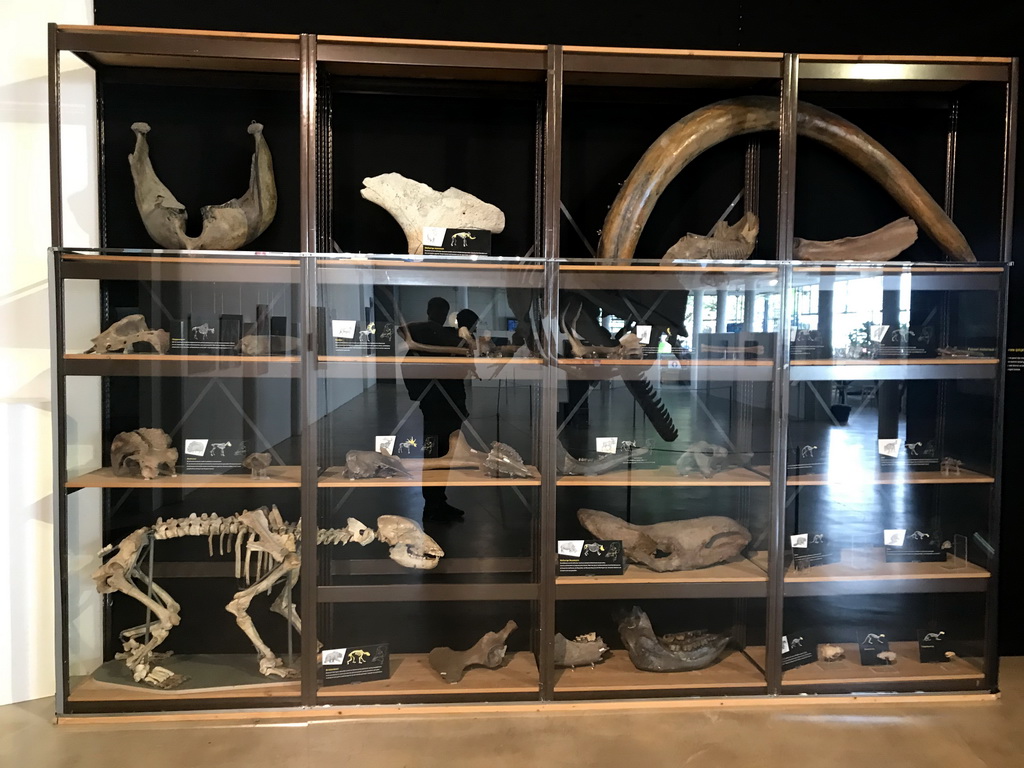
(873, 639)
(203, 330)
(262, 533)
(463, 238)
(932, 637)
(676, 652)
(225, 227)
(912, 447)
(217, 449)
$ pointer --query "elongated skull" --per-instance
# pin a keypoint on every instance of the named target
(410, 546)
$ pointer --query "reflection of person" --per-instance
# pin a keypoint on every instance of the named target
(441, 401)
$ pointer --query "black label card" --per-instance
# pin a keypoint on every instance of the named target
(204, 336)
(912, 547)
(874, 649)
(577, 557)
(438, 241)
(810, 549)
(934, 646)
(356, 664)
(798, 648)
(349, 337)
(213, 455)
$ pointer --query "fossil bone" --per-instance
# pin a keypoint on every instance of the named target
(410, 546)
(262, 532)
(830, 652)
(881, 245)
(565, 464)
(676, 652)
(123, 335)
(261, 345)
(258, 463)
(143, 453)
(501, 461)
(889, 657)
(363, 464)
(585, 649)
(415, 205)
(725, 242)
(710, 459)
(713, 124)
(683, 544)
(489, 651)
(225, 227)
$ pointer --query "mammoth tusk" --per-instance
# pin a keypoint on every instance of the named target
(713, 124)
(225, 227)
(881, 245)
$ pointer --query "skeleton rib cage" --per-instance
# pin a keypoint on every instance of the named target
(261, 532)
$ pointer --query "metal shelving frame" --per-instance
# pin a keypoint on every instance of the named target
(549, 69)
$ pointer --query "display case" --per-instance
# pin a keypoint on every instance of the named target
(605, 463)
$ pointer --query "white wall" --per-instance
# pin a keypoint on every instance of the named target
(26, 565)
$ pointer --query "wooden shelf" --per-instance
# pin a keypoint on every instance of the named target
(393, 367)
(842, 476)
(412, 676)
(864, 571)
(907, 669)
(82, 364)
(334, 477)
(741, 577)
(189, 266)
(667, 476)
(900, 361)
(279, 477)
(617, 674)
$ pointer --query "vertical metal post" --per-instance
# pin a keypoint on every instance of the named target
(552, 196)
(308, 367)
(951, 141)
(780, 392)
(995, 512)
(58, 393)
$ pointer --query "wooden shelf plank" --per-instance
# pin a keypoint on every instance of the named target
(869, 565)
(741, 570)
(843, 476)
(279, 477)
(900, 361)
(617, 673)
(412, 675)
(907, 669)
(665, 476)
(82, 364)
(673, 363)
(334, 477)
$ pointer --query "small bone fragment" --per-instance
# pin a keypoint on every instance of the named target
(261, 346)
(678, 652)
(501, 461)
(585, 649)
(489, 651)
(735, 243)
(225, 227)
(683, 544)
(565, 464)
(889, 657)
(709, 459)
(880, 245)
(143, 452)
(258, 463)
(415, 205)
(410, 546)
(123, 335)
(830, 652)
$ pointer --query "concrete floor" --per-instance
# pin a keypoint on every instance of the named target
(984, 734)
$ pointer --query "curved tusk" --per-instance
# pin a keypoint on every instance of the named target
(713, 124)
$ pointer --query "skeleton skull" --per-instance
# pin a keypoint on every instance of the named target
(410, 546)
(143, 453)
(123, 335)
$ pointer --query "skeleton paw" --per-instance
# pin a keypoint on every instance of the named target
(158, 677)
(275, 668)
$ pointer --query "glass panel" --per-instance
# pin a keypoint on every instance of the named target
(428, 408)
(182, 414)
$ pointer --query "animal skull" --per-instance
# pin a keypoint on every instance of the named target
(143, 453)
(123, 335)
(410, 546)
(686, 544)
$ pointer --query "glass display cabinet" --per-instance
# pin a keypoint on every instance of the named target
(604, 450)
